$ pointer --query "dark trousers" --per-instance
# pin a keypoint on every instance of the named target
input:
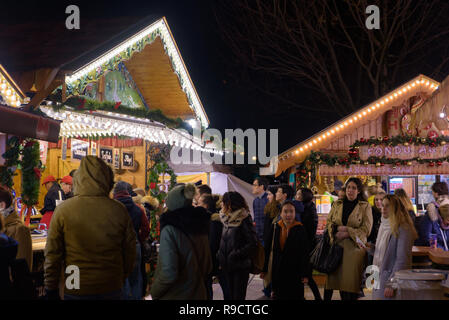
(346, 296)
(312, 285)
(328, 294)
(223, 284)
(238, 282)
(289, 293)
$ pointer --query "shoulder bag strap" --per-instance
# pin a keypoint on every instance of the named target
(444, 239)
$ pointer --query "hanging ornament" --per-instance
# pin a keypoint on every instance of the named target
(409, 163)
(366, 163)
(377, 164)
(443, 143)
(379, 138)
(431, 164)
(439, 163)
(385, 139)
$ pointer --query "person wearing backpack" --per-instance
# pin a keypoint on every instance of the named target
(184, 261)
(238, 243)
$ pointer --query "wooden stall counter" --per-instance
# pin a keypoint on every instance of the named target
(420, 251)
(439, 256)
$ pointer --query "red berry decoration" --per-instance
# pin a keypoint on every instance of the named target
(431, 164)
(439, 163)
(385, 139)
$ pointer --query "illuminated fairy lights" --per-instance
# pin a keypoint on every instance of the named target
(107, 123)
(9, 91)
(172, 51)
(419, 82)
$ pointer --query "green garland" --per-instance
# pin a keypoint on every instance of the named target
(31, 172)
(78, 86)
(315, 159)
(82, 104)
(11, 157)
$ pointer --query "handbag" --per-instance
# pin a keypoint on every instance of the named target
(326, 257)
(268, 275)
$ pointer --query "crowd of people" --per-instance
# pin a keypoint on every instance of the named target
(103, 229)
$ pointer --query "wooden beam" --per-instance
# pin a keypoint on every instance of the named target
(46, 81)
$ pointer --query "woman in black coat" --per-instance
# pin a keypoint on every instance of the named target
(309, 218)
(290, 256)
(238, 243)
(209, 202)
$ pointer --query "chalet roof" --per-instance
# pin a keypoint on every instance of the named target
(158, 70)
(296, 154)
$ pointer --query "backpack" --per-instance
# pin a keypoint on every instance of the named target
(258, 259)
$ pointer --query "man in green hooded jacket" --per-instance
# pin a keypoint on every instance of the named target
(90, 233)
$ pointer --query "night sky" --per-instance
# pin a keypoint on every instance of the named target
(229, 103)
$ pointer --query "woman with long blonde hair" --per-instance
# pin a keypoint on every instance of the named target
(398, 254)
(403, 197)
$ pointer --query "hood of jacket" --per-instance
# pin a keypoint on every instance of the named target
(8, 249)
(190, 220)
(215, 217)
(152, 201)
(93, 178)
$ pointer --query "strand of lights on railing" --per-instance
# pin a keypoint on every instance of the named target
(9, 94)
(171, 51)
(85, 125)
(421, 81)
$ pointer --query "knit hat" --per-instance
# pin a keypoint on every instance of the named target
(124, 186)
(180, 197)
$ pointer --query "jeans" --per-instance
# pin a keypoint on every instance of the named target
(132, 290)
(116, 295)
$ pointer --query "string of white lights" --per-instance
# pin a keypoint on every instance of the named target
(92, 125)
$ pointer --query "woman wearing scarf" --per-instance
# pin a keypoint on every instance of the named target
(238, 243)
(398, 253)
(289, 267)
(14, 228)
(272, 215)
(383, 237)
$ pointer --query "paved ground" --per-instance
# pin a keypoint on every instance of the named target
(254, 291)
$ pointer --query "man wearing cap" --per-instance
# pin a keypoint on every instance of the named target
(54, 192)
(66, 186)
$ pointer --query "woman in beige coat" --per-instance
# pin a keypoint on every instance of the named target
(352, 220)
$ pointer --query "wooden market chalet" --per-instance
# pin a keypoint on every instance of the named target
(113, 78)
(402, 139)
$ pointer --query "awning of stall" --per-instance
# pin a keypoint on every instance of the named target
(18, 122)
(362, 119)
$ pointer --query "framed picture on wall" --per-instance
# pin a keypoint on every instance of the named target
(106, 154)
(127, 159)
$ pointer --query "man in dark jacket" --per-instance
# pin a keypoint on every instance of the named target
(184, 255)
(260, 186)
(54, 193)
